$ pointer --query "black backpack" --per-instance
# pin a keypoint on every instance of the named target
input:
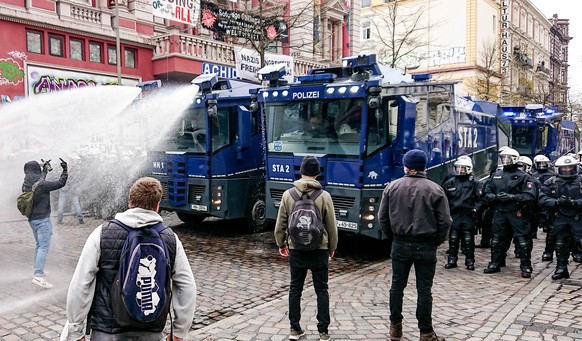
(141, 291)
(304, 223)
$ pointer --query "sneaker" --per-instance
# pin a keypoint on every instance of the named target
(324, 337)
(81, 221)
(41, 282)
(296, 334)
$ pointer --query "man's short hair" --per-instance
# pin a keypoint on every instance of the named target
(145, 193)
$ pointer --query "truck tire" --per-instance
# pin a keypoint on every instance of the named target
(256, 212)
(190, 219)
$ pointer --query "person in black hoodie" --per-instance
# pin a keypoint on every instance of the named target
(39, 220)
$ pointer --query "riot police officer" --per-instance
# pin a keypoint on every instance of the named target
(509, 191)
(542, 172)
(564, 192)
(531, 209)
(463, 192)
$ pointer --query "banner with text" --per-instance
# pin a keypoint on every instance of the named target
(242, 24)
(248, 63)
(185, 11)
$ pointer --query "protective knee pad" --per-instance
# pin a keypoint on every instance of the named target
(562, 246)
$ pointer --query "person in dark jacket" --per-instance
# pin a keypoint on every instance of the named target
(563, 193)
(542, 172)
(464, 193)
(509, 191)
(414, 214)
(39, 220)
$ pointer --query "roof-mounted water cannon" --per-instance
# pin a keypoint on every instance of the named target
(274, 74)
(206, 82)
(148, 87)
(360, 61)
(254, 106)
(374, 97)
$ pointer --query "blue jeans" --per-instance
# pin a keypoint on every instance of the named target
(424, 258)
(63, 196)
(42, 229)
(318, 262)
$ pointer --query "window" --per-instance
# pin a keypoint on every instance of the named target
(111, 55)
(95, 52)
(56, 45)
(129, 60)
(76, 49)
(366, 3)
(33, 42)
(366, 30)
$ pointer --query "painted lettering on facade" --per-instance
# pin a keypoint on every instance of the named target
(11, 73)
(505, 52)
(48, 84)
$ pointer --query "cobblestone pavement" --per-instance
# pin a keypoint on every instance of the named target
(243, 283)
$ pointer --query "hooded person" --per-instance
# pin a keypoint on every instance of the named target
(39, 219)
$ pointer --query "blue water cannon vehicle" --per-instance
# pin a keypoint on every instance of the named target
(359, 119)
(539, 130)
(211, 164)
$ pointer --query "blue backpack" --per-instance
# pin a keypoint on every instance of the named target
(141, 291)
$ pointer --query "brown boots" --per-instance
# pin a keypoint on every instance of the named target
(395, 331)
(432, 336)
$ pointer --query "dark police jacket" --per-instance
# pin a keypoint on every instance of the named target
(464, 193)
(510, 180)
(555, 187)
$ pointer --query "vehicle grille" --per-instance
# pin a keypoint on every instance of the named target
(195, 191)
(277, 194)
(342, 202)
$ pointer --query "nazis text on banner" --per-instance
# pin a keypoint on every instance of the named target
(185, 11)
(248, 63)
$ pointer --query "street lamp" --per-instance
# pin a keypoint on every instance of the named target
(117, 43)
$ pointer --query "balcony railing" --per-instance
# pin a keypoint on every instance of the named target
(208, 50)
(523, 59)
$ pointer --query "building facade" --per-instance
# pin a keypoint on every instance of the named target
(559, 40)
(50, 45)
(500, 50)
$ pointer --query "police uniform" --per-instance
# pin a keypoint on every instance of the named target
(508, 192)
(544, 215)
(463, 193)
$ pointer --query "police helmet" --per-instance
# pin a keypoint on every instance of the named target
(502, 149)
(566, 166)
(524, 163)
(541, 162)
(508, 156)
(463, 165)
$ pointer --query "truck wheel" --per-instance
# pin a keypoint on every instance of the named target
(256, 213)
(190, 219)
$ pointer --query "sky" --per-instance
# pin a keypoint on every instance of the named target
(564, 10)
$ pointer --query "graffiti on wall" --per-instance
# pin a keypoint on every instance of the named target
(43, 80)
(453, 55)
(11, 72)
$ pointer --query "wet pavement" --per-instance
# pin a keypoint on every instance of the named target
(243, 283)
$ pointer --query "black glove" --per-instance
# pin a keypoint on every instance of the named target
(489, 196)
(503, 197)
(63, 164)
(564, 202)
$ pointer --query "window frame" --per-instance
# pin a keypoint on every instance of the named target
(58, 38)
(111, 48)
(28, 46)
(125, 63)
(77, 40)
(100, 45)
(366, 29)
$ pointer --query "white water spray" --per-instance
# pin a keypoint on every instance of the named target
(102, 125)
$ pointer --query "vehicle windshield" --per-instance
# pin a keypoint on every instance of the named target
(188, 134)
(522, 138)
(322, 126)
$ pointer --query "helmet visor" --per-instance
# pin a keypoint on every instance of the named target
(542, 165)
(506, 160)
(568, 171)
(461, 170)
